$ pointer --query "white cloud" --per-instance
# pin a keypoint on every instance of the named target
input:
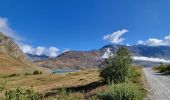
(150, 59)
(66, 50)
(5, 28)
(156, 42)
(8, 31)
(51, 51)
(115, 37)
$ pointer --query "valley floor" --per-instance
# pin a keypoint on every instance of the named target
(159, 85)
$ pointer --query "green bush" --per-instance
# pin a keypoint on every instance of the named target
(27, 73)
(116, 68)
(2, 85)
(163, 68)
(122, 91)
(13, 75)
(36, 72)
(21, 94)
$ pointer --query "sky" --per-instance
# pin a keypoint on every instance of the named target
(54, 26)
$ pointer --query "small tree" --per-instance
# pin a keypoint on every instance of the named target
(117, 67)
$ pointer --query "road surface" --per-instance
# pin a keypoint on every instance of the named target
(159, 85)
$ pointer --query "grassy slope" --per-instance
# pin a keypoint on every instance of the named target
(11, 65)
(48, 82)
(84, 80)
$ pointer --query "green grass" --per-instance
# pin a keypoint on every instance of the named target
(132, 89)
(19, 87)
(123, 91)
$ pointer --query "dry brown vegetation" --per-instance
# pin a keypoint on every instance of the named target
(48, 83)
(84, 84)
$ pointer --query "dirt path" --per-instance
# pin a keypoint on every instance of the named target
(159, 85)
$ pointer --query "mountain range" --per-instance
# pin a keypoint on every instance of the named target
(13, 59)
(143, 55)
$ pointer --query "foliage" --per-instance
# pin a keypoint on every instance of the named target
(21, 94)
(36, 72)
(64, 95)
(162, 68)
(117, 68)
(2, 85)
(122, 91)
(27, 73)
(10, 75)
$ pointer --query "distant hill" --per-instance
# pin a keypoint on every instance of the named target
(12, 59)
(93, 58)
(72, 60)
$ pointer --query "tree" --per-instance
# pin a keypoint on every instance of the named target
(116, 68)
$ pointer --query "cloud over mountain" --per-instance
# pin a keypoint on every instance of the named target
(150, 59)
(115, 37)
(8, 31)
(156, 42)
(51, 51)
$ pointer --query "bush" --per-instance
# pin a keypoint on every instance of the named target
(27, 73)
(2, 85)
(21, 94)
(163, 68)
(122, 91)
(36, 72)
(116, 68)
(13, 75)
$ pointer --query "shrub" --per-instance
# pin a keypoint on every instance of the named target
(36, 72)
(2, 85)
(27, 73)
(116, 68)
(21, 94)
(122, 91)
(13, 75)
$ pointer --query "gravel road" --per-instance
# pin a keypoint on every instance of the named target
(159, 85)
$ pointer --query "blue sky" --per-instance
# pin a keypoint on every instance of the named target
(82, 24)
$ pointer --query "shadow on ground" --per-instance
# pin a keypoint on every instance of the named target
(82, 88)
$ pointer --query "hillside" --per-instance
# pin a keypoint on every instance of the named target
(12, 59)
(92, 59)
(72, 60)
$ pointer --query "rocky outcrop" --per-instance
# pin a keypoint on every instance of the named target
(7, 45)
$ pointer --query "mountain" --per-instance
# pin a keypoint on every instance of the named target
(72, 60)
(12, 59)
(37, 57)
(144, 50)
(93, 58)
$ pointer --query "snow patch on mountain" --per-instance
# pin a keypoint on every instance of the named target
(107, 53)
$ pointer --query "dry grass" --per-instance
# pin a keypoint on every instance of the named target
(49, 82)
(85, 84)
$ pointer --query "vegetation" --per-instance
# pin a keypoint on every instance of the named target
(21, 94)
(36, 72)
(116, 68)
(64, 95)
(79, 86)
(123, 79)
(122, 91)
(162, 68)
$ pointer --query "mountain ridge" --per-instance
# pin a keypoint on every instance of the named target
(80, 59)
(12, 59)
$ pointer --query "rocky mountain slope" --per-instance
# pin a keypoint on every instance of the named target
(12, 59)
(92, 59)
(72, 60)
